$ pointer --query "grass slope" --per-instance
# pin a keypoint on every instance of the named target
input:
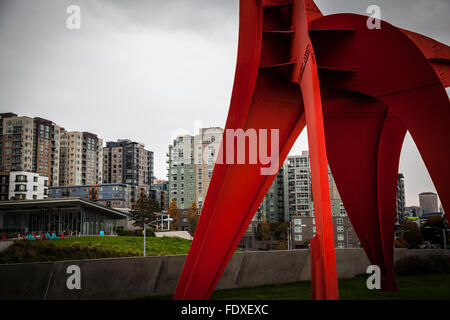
(154, 246)
(433, 287)
(79, 248)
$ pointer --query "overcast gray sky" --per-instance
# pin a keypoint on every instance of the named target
(144, 69)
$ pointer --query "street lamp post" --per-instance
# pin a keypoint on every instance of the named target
(444, 231)
(151, 223)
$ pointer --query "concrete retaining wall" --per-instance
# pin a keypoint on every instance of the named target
(129, 278)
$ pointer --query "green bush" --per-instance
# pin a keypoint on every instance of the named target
(125, 232)
(35, 251)
(76, 245)
(423, 265)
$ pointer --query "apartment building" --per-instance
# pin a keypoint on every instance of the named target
(25, 185)
(109, 195)
(400, 204)
(127, 162)
(303, 229)
(17, 143)
(46, 149)
(29, 144)
(273, 206)
(182, 172)
(206, 146)
(81, 159)
(160, 193)
(4, 186)
(191, 162)
(299, 193)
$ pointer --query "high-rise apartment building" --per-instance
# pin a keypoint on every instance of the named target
(273, 206)
(46, 149)
(29, 144)
(400, 204)
(206, 148)
(191, 163)
(127, 162)
(17, 143)
(298, 180)
(81, 159)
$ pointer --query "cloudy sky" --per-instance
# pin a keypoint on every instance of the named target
(148, 69)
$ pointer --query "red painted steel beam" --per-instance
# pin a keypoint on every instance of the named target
(392, 88)
(276, 81)
(376, 84)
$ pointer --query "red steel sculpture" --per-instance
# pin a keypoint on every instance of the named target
(374, 85)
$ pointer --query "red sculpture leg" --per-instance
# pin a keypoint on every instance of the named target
(426, 115)
(353, 58)
(365, 168)
(305, 73)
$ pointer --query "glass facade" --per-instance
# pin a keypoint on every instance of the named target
(77, 220)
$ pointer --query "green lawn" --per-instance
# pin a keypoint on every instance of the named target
(95, 247)
(154, 246)
(414, 287)
(434, 287)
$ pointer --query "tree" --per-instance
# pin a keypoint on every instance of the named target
(193, 218)
(263, 233)
(411, 234)
(144, 211)
(282, 245)
(173, 213)
(279, 229)
(435, 236)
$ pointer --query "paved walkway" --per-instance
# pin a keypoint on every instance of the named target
(5, 244)
(172, 234)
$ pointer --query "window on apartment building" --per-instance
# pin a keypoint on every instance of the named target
(339, 221)
(341, 245)
(297, 221)
(340, 229)
(298, 237)
(298, 229)
(340, 237)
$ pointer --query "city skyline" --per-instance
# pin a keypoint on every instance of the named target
(104, 69)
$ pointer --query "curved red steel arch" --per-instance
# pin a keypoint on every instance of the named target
(374, 84)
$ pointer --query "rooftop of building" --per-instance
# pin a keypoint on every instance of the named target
(427, 193)
(90, 185)
(17, 205)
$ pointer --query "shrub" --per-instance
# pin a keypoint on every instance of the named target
(76, 245)
(423, 265)
(401, 243)
(125, 232)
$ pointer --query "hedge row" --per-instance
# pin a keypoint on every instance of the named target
(416, 265)
(37, 251)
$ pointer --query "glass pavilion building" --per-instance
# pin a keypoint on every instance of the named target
(71, 215)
